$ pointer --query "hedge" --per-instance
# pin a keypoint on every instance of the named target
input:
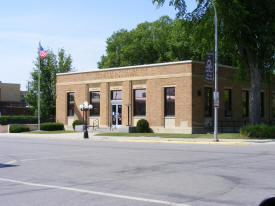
(4, 120)
(18, 128)
(142, 126)
(258, 131)
(51, 126)
(77, 122)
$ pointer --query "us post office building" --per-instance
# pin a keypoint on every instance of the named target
(173, 97)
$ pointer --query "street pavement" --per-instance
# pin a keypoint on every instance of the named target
(65, 169)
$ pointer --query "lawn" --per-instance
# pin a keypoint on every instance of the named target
(51, 132)
(169, 135)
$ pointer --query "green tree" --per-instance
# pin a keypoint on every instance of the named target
(165, 40)
(145, 44)
(49, 67)
(250, 25)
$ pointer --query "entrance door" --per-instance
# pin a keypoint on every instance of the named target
(116, 114)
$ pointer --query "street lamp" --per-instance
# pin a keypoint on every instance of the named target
(216, 93)
(85, 107)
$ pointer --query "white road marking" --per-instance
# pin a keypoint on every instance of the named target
(10, 162)
(162, 202)
(54, 157)
(46, 158)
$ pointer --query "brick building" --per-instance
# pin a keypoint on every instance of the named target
(173, 97)
(12, 100)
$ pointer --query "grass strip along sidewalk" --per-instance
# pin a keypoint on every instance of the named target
(168, 135)
(51, 132)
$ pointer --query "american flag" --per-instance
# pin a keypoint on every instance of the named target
(43, 53)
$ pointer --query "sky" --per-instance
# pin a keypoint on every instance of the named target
(81, 27)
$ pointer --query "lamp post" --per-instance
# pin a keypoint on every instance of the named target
(216, 93)
(85, 107)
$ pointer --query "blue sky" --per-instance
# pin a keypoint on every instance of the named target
(81, 27)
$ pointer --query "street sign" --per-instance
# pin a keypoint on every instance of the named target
(209, 66)
(216, 99)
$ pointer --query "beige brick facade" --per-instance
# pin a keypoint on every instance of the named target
(186, 77)
(9, 92)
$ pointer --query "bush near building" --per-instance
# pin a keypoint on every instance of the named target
(258, 131)
(142, 126)
(77, 122)
(18, 128)
(51, 126)
(5, 120)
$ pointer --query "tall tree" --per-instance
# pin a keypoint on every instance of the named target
(163, 40)
(49, 67)
(250, 24)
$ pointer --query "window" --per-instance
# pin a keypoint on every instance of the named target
(208, 101)
(245, 103)
(273, 105)
(228, 103)
(139, 102)
(262, 104)
(22, 98)
(70, 104)
(95, 101)
(116, 95)
(169, 101)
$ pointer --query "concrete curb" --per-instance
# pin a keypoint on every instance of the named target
(184, 142)
(79, 136)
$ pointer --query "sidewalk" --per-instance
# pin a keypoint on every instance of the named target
(79, 136)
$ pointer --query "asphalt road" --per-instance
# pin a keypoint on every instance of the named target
(49, 172)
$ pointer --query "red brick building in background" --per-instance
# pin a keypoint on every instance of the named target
(173, 97)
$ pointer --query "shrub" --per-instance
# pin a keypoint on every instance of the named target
(77, 122)
(4, 120)
(51, 126)
(142, 126)
(258, 131)
(18, 128)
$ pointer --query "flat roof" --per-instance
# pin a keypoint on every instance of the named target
(140, 66)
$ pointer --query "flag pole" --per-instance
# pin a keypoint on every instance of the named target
(38, 103)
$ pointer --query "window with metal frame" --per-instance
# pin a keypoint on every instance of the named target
(116, 95)
(228, 102)
(208, 101)
(245, 103)
(262, 104)
(273, 105)
(139, 102)
(95, 101)
(169, 101)
(70, 104)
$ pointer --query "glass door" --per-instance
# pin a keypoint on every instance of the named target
(116, 114)
(119, 116)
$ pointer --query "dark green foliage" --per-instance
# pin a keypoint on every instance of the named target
(142, 126)
(249, 27)
(18, 128)
(49, 67)
(77, 122)
(4, 120)
(51, 126)
(166, 40)
(258, 131)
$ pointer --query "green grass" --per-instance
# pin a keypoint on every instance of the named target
(168, 135)
(51, 132)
